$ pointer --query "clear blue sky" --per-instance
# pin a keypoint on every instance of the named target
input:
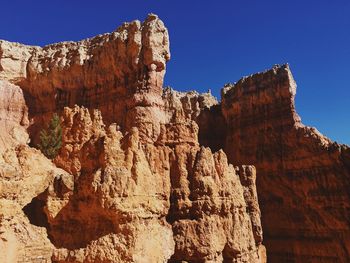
(215, 42)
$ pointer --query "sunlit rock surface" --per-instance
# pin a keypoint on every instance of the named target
(132, 182)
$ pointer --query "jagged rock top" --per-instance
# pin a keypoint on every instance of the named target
(258, 93)
(20, 62)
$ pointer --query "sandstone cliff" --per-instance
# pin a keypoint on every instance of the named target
(132, 183)
(116, 72)
(146, 173)
(303, 177)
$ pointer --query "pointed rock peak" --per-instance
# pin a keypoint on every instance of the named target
(151, 16)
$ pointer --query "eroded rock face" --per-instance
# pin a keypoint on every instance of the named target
(24, 174)
(132, 182)
(13, 116)
(114, 72)
(13, 60)
(117, 202)
(190, 200)
(145, 174)
(303, 177)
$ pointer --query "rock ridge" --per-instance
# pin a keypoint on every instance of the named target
(303, 176)
(150, 174)
(131, 182)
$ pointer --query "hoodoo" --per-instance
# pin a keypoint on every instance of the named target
(131, 183)
(150, 174)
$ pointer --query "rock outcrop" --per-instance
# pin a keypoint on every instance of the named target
(24, 174)
(131, 183)
(303, 177)
(115, 72)
(13, 116)
(149, 174)
(189, 200)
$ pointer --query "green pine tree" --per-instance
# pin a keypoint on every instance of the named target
(51, 138)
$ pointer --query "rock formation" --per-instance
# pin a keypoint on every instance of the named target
(303, 178)
(13, 116)
(146, 173)
(131, 183)
(116, 72)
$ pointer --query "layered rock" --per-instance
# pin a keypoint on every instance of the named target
(24, 174)
(132, 182)
(14, 59)
(116, 72)
(145, 174)
(303, 177)
(13, 116)
(192, 202)
(116, 203)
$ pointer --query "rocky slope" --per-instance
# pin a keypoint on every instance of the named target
(132, 183)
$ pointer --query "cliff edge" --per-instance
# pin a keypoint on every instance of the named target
(131, 183)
